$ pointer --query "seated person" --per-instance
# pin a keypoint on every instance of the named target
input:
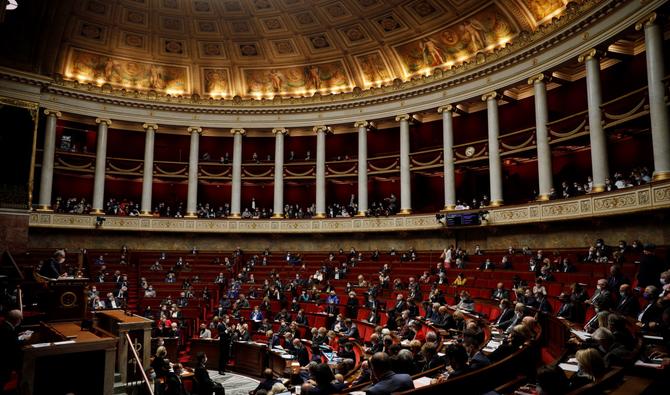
(205, 385)
(322, 381)
(591, 368)
(348, 351)
(268, 381)
(551, 380)
(385, 380)
(458, 363)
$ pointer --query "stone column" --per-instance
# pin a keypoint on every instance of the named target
(47, 177)
(544, 173)
(495, 167)
(194, 152)
(658, 111)
(448, 156)
(100, 165)
(279, 172)
(236, 191)
(320, 170)
(362, 167)
(405, 176)
(597, 135)
(148, 174)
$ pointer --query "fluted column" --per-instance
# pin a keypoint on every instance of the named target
(320, 170)
(100, 165)
(448, 156)
(236, 192)
(495, 167)
(362, 167)
(279, 172)
(658, 111)
(405, 177)
(597, 135)
(545, 177)
(148, 172)
(47, 175)
(194, 152)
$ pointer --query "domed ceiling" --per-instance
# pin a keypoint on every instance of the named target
(263, 48)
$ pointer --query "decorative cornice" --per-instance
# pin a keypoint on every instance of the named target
(152, 126)
(55, 113)
(196, 129)
(402, 117)
(108, 122)
(239, 131)
(490, 96)
(646, 21)
(446, 108)
(283, 131)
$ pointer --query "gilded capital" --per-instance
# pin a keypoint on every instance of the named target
(240, 131)
(196, 129)
(276, 131)
(590, 54)
(361, 124)
(55, 113)
(490, 96)
(646, 21)
(150, 126)
(536, 79)
(102, 120)
(446, 108)
(320, 128)
(402, 117)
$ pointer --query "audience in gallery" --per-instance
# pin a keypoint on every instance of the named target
(406, 346)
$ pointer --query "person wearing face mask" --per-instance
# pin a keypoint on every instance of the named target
(650, 268)
(506, 315)
(205, 384)
(173, 383)
(650, 315)
(628, 304)
(519, 311)
(52, 268)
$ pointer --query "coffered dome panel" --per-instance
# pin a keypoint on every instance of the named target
(265, 48)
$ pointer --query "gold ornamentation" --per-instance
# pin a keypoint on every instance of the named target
(235, 131)
(646, 21)
(194, 129)
(402, 117)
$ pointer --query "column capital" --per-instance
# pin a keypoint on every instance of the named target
(277, 131)
(537, 78)
(150, 126)
(648, 20)
(361, 124)
(402, 117)
(490, 96)
(446, 108)
(196, 129)
(102, 120)
(235, 131)
(590, 54)
(55, 113)
(320, 128)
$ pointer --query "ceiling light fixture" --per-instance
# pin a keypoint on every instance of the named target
(11, 5)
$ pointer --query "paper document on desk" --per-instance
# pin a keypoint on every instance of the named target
(568, 367)
(581, 334)
(421, 382)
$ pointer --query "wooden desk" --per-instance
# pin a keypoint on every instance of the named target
(62, 358)
(118, 323)
(250, 358)
(209, 347)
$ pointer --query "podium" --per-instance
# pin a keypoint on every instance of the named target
(66, 298)
(123, 326)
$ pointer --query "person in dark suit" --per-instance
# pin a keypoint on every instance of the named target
(331, 311)
(52, 267)
(500, 292)
(205, 385)
(351, 329)
(385, 380)
(628, 304)
(506, 314)
(567, 309)
(10, 346)
(650, 268)
(267, 383)
(225, 338)
(301, 353)
(651, 314)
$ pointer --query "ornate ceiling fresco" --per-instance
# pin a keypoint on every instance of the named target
(267, 48)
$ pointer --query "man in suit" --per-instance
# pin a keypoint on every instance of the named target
(205, 385)
(628, 304)
(112, 302)
(301, 353)
(506, 314)
(519, 312)
(173, 382)
(351, 329)
(651, 314)
(10, 346)
(385, 380)
(567, 309)
(500, 293)
(331, 311)
(225, 338)
(267, 383)
(52, 267)
(602, 298)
